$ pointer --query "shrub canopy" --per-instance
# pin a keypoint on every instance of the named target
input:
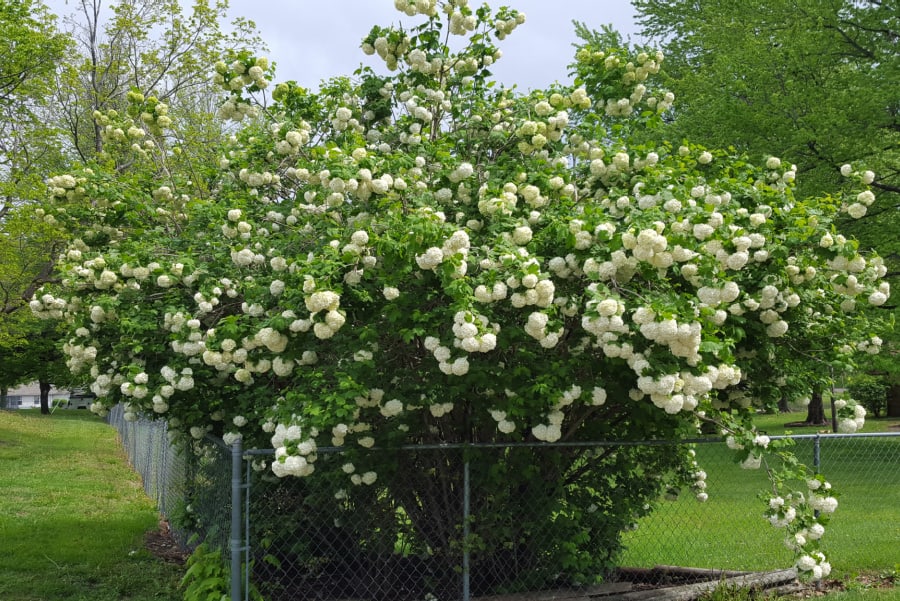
(418, 256)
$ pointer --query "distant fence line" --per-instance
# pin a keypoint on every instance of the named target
(257, 520)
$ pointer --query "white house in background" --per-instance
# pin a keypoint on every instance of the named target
(29, 397)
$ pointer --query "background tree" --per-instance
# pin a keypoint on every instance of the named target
(30, 352)
(149, 47)
(51, 83)
(813, 82)
(30, 49)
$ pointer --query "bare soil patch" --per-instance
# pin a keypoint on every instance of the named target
(163, 544)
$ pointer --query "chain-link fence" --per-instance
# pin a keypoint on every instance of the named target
(443, 526)
(458, 522)
(729, 532)
(190, 484)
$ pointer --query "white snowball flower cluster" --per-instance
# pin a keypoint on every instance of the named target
(272, 339)
(457, 244)
(79, 357)
(504, 425)
(537, 291)
(711, 296)
(698, 477)
(536, 327)
(682, 339)
(815, 565)
(344, 120)
(49, 307)
(461, 24)
(237, 109)
(440, 409)
(859, 208)
(390, 51)
(367, 478)
(255, 179)
(666, 392)
(392, 408)
(752, 462)
(294, 139)
(416, 7)
(851, 416)
(444, 356)
(872, 346)
(430, 259)
(609, 322)
(461, 172)
(780, 513)
(552, 430)
(620, 267)
(229, 438)
(294, 454)
(328, 302)
(255, 75)
(497, 292)
(469, 330)
(823, 503)
(880, 296)
(507, 26)
(649, 246)
(62, 185)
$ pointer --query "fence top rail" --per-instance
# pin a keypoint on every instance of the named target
(585, 444)
(838, 435)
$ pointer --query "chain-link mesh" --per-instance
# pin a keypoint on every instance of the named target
(460, 522)
(538, 517)
(403, 537)
(190, 485)
(864, 469)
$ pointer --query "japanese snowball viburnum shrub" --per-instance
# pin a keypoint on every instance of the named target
(413, 255)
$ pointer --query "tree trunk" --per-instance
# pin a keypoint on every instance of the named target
(815, 412)
(4, 393)
(783, 405)
(45, 397)
(893, 402)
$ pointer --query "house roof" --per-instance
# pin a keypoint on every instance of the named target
(34, 389)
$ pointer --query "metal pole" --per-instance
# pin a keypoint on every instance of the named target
(817, 461)
(246, 548)
(235, 537)
(466, 508)
(817, 456)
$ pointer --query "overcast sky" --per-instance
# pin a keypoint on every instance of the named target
(311, 40)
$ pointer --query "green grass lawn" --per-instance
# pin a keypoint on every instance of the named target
(729, 531)
(73, 514)
(774, 424)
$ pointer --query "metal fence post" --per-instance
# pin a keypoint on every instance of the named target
(466, 509)
(817, 458)
(235, 536)
(248, 474)
(817, 463)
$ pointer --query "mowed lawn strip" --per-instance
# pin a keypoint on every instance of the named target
(73, 514)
